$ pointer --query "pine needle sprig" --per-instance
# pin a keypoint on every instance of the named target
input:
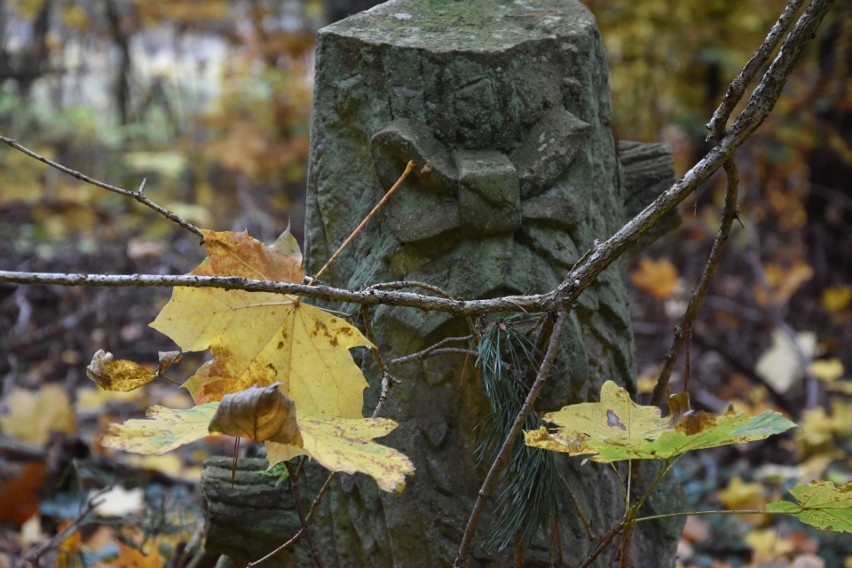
(527, 506)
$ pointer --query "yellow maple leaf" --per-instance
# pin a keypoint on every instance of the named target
(347, 445)
(164, 430)
(258, 338)
(657, 277)
(33, 417)
(262, 342)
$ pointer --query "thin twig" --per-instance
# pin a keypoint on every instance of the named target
(137, 195)
(33, 556)
(719, 512)
(435, 346)
(434, 353)
(301, 532)
(601, 545)
(504, 454)
(297, 501)
(736, 90)
(388, 380)
(403, 284)
(382, 201)
(681, 333)
(293, 540)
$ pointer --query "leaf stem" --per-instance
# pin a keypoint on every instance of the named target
(408, 168)
(720, 512)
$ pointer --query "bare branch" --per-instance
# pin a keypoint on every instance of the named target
(736, 89)
(682, 331)
(368, 297)
(762, 100)
(590, 265)
(137, 195)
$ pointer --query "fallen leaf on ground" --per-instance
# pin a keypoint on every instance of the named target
(19, 495)
(836, 299)
(657, 277)
(781, 364)
(739, 495)
(782, 282)
(33, 417)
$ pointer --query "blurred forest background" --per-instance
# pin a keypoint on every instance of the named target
(209, 101)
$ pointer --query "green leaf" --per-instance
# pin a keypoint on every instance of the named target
(616, 428)
(164, 430)
(821, 504)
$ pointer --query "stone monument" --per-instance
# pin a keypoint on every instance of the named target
(505, 109)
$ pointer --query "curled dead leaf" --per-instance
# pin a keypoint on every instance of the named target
(167, 359)
(117, 374)
(259, 413)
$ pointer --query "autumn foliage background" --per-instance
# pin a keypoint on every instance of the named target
(209, 101)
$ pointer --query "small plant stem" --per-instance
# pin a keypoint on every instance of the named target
(704, 513)
(297, 501)
(137, 195)
(171, 380)
(506, 449)
(682, 331)
(408, 168)
(668, 467)
(301, 532)
(388, 380)
(439, 346)
(629, 518)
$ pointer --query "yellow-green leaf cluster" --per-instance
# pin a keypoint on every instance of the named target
(616, 428)
(821, 504)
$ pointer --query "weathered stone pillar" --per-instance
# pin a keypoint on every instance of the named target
(505, 108)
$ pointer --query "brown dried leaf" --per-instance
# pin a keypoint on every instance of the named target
(260, 414)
